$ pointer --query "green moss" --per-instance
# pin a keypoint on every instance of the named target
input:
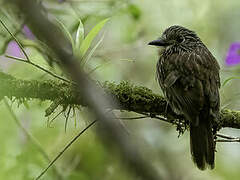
(228, 118)
(135, 98)
(130, 97)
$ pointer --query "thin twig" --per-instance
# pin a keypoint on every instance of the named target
(153, 116)
(227, 140)
(37, 66)
(66, 121)
(162, 119)
(30, 136)
(226, 136)
(16, 40)
(131, 118)
(50, 122)
(64, 149)
(27, 60)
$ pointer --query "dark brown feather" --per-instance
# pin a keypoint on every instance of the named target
(188, 75)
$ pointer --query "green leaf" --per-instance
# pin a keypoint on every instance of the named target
(91, 35)
(79, 37)
(229, 79)
(92, 51)
(67, 33)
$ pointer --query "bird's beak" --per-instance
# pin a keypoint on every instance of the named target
(159, 42)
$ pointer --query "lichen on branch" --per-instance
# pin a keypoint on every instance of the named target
(138, 99)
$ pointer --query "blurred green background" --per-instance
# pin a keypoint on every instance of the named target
(122, 55)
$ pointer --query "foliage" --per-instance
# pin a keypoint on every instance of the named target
(133, 24)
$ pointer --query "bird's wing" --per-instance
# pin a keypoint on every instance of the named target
(211, 79)
(171, 78)
(190, 83)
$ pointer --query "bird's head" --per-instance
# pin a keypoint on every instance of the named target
(177, 37)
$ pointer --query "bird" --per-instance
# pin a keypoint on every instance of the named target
(188, 75)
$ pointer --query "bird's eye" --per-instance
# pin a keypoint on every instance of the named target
(180, 39)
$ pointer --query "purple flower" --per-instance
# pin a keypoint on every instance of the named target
(14, 50)
(28, 33)
(233, 56)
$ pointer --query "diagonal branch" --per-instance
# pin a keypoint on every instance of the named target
(94, 97)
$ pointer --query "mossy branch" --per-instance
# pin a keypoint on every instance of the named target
(42, 90)
(131, 98)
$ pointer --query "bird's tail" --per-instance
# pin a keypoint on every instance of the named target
(202, 144)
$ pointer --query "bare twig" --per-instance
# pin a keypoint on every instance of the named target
(132, 118)
(50, 121)
(37, 66)
(227, 138)
(27, 60)
(16, 40)
(155, 116)
(64, 149)
(66, 120)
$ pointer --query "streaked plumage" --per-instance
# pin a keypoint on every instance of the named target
(188, 75)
